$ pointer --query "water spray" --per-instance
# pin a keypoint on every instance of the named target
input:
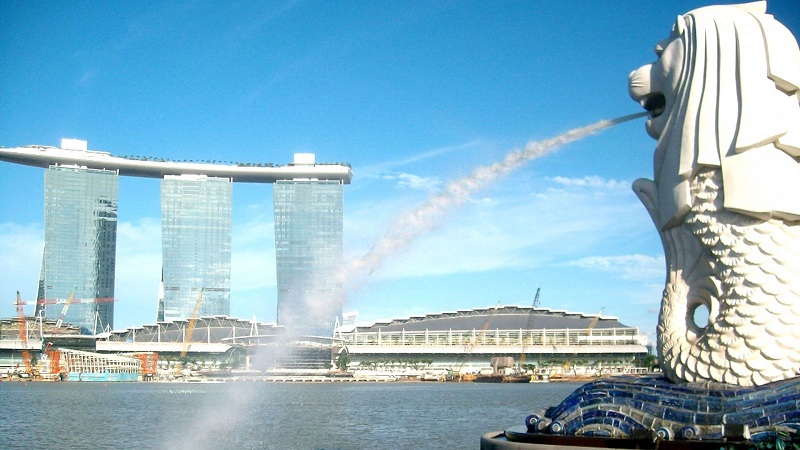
(429, 215)
(400, 234)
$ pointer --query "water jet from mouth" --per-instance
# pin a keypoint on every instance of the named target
(408, 226)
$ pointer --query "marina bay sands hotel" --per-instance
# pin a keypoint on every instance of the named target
(80, 234)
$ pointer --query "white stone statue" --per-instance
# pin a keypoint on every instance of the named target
(723, 102)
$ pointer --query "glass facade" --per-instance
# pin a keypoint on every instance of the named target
(80, 235)
(308, 254)
(196, 245)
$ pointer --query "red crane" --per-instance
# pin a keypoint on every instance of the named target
(61, 301)
(71, 300)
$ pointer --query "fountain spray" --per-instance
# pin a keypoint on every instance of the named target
(408, 226)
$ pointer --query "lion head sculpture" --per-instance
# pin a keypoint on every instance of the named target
(723, 88)
(723, 104)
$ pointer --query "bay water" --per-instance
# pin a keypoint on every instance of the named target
(261, 415)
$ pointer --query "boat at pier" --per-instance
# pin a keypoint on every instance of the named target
(497, 378)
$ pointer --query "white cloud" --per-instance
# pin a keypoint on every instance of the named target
(138, 268)
(412, 182)
(21, 249)
(138, 272)
(509, 230)
(591, 182)
(630, 267)
(253, 265)
(253, 256)
(377, 170)
(87, 76)
(458, 248)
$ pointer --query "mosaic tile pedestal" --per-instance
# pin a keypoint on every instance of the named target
(650, 412)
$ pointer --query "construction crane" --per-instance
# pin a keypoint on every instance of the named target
(65, 308)
(522, 355)
(477, 339)
(187, 336)
(61, 301)
(71, 300)
(589, 329)
(594, 321)
(23, 335)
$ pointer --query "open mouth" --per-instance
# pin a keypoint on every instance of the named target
(655, 104)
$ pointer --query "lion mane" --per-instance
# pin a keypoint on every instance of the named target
(737, 109)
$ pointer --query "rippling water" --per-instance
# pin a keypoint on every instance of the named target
(250, 415)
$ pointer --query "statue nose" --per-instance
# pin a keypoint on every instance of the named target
(639, 83)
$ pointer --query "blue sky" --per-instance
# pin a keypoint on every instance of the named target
(411, 94)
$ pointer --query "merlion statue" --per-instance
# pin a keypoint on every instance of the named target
(723, 103)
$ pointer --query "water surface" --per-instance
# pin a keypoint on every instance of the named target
(259, 415)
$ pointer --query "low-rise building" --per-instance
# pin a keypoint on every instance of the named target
(547, 340)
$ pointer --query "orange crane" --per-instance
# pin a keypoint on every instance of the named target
(23, 335)
(149, 362)
(187, 336)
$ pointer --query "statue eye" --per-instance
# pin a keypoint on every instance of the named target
(662, 45)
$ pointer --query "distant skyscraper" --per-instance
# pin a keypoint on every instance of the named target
(308, 253)
(80, 235)
(196, 245)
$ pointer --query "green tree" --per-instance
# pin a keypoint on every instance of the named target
(650, 361)
(342, 361)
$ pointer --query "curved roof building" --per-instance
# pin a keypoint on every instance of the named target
(461, 341)
(207, 330)
(471, 338)
(503, 318)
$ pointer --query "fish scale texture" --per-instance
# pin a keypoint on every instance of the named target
(741, 269)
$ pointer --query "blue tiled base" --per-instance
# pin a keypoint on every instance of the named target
(616, 406)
